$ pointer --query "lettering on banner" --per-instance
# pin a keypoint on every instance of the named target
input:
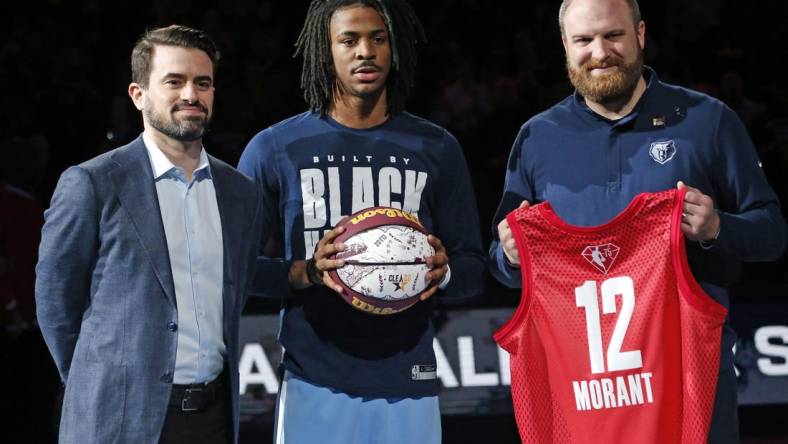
(255, 368)
(469, 362)
(775, 356)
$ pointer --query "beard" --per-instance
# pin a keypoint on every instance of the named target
(606, 88)
(184, 130)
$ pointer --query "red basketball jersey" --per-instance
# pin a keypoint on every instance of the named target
(613, 340)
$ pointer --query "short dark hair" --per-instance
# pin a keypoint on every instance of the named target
(173, 35)
(634, 9)
(318, 79)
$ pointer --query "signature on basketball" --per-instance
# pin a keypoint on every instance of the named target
(389, 212)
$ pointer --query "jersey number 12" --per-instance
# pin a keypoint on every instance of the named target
(586, 297)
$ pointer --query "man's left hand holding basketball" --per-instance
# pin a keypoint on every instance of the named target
(438, 265)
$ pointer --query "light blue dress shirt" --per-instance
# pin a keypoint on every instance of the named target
(193, 228)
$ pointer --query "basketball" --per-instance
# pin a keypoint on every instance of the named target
(385, 260)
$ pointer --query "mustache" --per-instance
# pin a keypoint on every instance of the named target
(367, 64)
(202, 107)
(598, 64)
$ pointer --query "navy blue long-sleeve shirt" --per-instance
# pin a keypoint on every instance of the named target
(314, 171)
(590, 168)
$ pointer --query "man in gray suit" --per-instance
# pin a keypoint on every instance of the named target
(145, 259)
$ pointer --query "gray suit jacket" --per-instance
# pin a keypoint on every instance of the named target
(104, 292)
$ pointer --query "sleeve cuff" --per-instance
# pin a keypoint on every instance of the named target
(446, 278)
(709, 244)
(504, 261)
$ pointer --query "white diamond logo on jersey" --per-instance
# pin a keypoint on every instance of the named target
(663, 151)
(601, 256)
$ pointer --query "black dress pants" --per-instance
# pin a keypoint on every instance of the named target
(209, 424)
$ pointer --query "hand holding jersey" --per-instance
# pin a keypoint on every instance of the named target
(699, 220)
(507, 239)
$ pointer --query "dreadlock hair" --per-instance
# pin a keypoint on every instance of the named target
(318, 79)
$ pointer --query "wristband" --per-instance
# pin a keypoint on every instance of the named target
(446, 278)
(313, 275)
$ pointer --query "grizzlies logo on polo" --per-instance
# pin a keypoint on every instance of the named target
(663, 151)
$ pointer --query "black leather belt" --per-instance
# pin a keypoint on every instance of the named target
(197, 397)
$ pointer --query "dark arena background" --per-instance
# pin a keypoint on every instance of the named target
(488, 67)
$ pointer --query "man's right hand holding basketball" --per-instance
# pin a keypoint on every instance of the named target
(314, 271)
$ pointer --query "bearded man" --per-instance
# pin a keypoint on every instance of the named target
(623, 132)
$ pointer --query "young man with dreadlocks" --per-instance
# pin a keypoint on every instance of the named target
(352, 377)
